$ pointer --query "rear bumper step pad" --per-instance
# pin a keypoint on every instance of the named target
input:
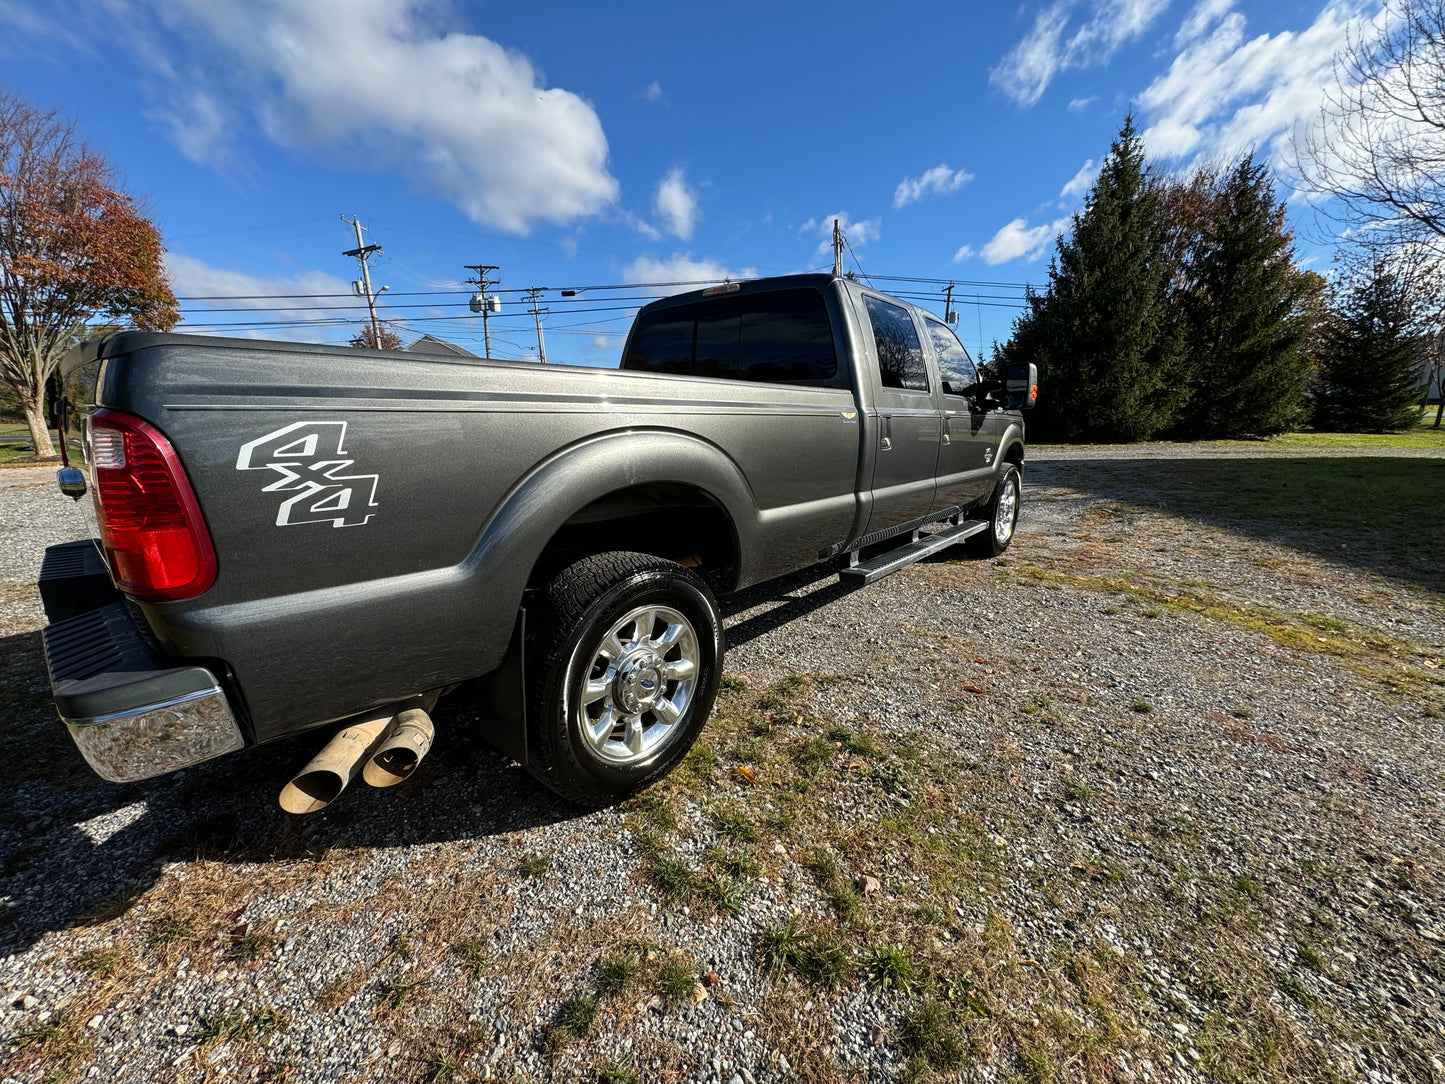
(133, 715)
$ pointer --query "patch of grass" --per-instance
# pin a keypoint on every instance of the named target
(852, 741)
(927, 1031)
(616, 1072)
(1297, 992)
(834, 885)
(576, 1017)
(1076, 790)
(239, 1024)
(61, 1042)
(674, 980)
(816, 955)
(394, 993)
(252, 945)
(738, 866)
(657, 811)
(735, 824)
(812, 754)
(473, 955)
(1142, 707)
(673, 878)
(1310, 958)
(615, 974)
(732, 683)
(887, 967)
(170, 929)
(101, 961)
(535, 864)
(723, 893)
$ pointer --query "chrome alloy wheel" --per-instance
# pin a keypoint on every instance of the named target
(1006, 515)
(639, 685)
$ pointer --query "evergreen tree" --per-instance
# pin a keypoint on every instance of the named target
(1243, 303)
(1108, 352)
(1370, 367)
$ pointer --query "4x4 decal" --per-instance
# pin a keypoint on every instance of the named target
(309, 459)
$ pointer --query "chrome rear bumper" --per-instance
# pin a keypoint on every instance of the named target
(132, 713)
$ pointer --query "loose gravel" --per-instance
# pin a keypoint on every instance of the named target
(1151, 798)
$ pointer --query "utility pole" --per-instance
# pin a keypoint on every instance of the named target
(534, 294)
(361, 252)
(837, 250)
(482, 284)
(949, 316)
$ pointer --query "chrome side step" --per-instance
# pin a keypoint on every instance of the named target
(875, 569)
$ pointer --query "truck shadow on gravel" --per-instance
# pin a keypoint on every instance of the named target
(1382, 515)
(76, 851)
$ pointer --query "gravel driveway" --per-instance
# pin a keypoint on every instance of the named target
(1158, 796)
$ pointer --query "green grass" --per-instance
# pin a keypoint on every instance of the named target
(15, 444)
(1384, 514)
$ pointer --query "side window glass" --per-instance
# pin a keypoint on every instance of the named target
(786, 338)
(955, 367)
(900, 355)
(663, 342)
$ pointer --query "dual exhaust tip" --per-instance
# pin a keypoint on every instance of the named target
(383, 746)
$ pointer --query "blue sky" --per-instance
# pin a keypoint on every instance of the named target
(597, 145)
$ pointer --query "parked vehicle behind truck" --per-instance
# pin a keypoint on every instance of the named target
(290, 535)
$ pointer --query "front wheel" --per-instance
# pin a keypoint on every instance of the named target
(1002, 512)
(623, 664)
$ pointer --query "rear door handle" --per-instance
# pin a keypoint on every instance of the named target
(886, 441)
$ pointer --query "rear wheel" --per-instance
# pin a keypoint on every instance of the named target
(623, 664)
(1002, 513)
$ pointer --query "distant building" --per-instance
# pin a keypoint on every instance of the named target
(430, 344)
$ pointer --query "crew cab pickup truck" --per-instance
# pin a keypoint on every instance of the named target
(291, 536)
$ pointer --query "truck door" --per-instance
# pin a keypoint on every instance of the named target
(965, 455)
(908, 421)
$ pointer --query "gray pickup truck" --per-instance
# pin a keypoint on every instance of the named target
(291, 536)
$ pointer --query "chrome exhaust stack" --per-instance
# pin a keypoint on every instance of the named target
(402, 750)
(330, 771)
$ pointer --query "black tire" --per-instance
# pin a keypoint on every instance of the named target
(566, 645)
(1002, 515)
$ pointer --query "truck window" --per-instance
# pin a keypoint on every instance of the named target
(900, 355)
(663, 343)
(779, 337)
(955, 367)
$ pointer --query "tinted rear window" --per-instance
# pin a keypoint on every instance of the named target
(782, 337)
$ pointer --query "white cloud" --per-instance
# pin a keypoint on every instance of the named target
(858, 233)
(940, 181)
(382, 83)
(198, 128)
(676, 205)
(1027, 69)
(191, 277)
(654, 94)
(682, 268)
(1077, 105)
(1205, 14)
(964, 253)
(1080, 183)
(1019, 239)
(1224, 94)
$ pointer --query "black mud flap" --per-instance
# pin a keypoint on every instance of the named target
(504, 698)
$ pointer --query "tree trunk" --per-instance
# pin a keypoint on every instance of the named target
(39, 431)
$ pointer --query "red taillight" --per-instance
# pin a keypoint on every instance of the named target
(155, 540)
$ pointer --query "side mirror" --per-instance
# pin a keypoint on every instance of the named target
(1022, 386)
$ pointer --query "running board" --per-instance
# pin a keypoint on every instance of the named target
(865, 572)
